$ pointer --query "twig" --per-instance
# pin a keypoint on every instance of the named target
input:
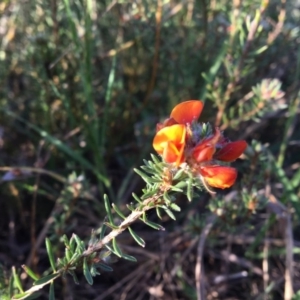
(199, 270)
(288, 287)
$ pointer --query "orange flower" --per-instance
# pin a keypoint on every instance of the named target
(170, 142)
(177, 140)
(170, 139)
(218, 176)
(231, 151)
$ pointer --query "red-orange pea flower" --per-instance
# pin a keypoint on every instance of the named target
(170, 142)
(170, 138)
(231, 151)
(218, 176)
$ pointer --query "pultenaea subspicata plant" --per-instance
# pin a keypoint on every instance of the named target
(193, 155)
(181, 141)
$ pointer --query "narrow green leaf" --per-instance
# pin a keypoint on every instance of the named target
(175, 207)
(116, 247)
(153, 225)
(80, 244)
(117, 210)
(11, 286)
(137, 238)
(65, 240)
(87, 273)
(72, 273)
(30, 272)
(178, 174)
(155, 158)
(108, 210)
(104, 267)
(112, 226)
(73, 242)
(167, 198)
(51, 291)
(102, 231)
(189, 192)
(17, 280)
(46, 279)
(50, 254)
(112, 250)
(158, 212)
(131, 207)
(137, 198)
(129, 257)
(170, 214)
(145, 177)
(68, 254)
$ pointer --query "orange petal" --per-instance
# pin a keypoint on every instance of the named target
(165, 123)
(231, 151)
(206, 149)
(187, 112)
(175, 134)
(203, 153)
(173, 153)
(218, 176)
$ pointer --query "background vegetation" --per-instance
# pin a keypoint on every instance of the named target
(82, 86)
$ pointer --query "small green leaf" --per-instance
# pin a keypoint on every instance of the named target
(116, 247)
(111, 249)
(102, 231)
(68, 254)
(145, 177)
(65, 240)
(108, 210)
(117, 210)
(46, 279)
(87, 273)
(17, 280)
(178, 174)
(104, 267)
(73, 242)
(72, 273)
(175, 207)
(112, 226)
(153, 225)
(137, 238)
(170, 214)
(189, 192)
(130, 206)
(155, 159)
(129, 257)
(50, 254)
(30, 272)
(51, 291)
(137, 198)
(158, 212)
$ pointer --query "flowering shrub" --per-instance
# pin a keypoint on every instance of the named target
(182, 141)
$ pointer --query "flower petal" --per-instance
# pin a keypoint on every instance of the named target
(231, 151)
(206, 149)
(187, 112)
(173, 153)
(170, 142)
(175, 133)
(219, 176)
(203, 152)
(165, 123)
